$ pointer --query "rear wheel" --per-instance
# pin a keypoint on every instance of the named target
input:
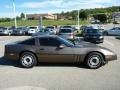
(28, 60)
(94, 60)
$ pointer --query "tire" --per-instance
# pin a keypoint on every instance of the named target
(105, 33)
(94, 60)
(28, 60)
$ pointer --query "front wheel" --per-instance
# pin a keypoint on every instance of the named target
(28, 60)
(94, 60)
(105, 33)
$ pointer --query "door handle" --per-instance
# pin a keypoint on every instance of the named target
(41, 48)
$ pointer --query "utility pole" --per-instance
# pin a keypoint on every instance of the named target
(78, 19)
(14, 14)
(40, 22)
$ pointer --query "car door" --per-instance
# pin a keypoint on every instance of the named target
(49, 51)
(113, 31)
(66, 53)
(118, 31)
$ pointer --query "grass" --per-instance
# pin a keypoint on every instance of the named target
(45, 22)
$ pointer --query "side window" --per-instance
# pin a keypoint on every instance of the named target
(28, 42)
(49, 41)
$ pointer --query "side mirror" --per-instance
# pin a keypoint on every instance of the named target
(61, 46)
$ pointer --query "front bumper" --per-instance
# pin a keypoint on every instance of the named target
(3, 33)
(111, 57)
(17, 33)
(98, 40)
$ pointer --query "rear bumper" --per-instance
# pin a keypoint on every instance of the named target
(11, 56)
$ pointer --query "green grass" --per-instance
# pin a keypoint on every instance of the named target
(45, 22)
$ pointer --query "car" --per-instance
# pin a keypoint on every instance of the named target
(33, 29)
(54, 49)
(5, 31)
(43, 32)
(116, 22)
(113, 31)
(82, 28)
(98, 27)
(95, 22)
(51, 29)
(93, 35)
(67, 27)
(20, 31)
(66, 33)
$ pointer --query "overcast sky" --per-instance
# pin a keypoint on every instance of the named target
(51, 6)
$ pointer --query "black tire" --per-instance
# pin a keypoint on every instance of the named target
(105, 33)
(28, 60)
(94, 60)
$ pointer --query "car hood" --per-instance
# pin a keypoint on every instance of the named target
(85, 44)
(40, 33)
(93, 34)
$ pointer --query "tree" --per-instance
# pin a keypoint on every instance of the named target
(18, 18)
(101, 17)
(22, 16)
(83, 15)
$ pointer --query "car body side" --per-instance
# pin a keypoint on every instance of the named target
(74, 54)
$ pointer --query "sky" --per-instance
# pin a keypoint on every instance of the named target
(50, 6)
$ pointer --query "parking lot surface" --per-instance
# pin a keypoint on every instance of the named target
(60, 77)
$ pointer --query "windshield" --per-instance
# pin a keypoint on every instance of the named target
(92, 31)
(44, 30)
(4, 28)
(67, 27)
(50, 27)
(33, 27)
(65, 31)
(66, 42)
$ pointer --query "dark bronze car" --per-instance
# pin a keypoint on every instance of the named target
(54, 49)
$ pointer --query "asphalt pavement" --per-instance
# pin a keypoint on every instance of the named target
(61, 76)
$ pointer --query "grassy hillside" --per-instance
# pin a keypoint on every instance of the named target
(45, 22)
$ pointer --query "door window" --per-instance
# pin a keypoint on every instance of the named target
(49, 41)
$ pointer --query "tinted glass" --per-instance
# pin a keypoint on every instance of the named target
(92, 31)
(67, 27)
(33, 27)
(49, 41)
(50, 27)
(28, 42)
(65, 31)
(4, 28)
(65, 42)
